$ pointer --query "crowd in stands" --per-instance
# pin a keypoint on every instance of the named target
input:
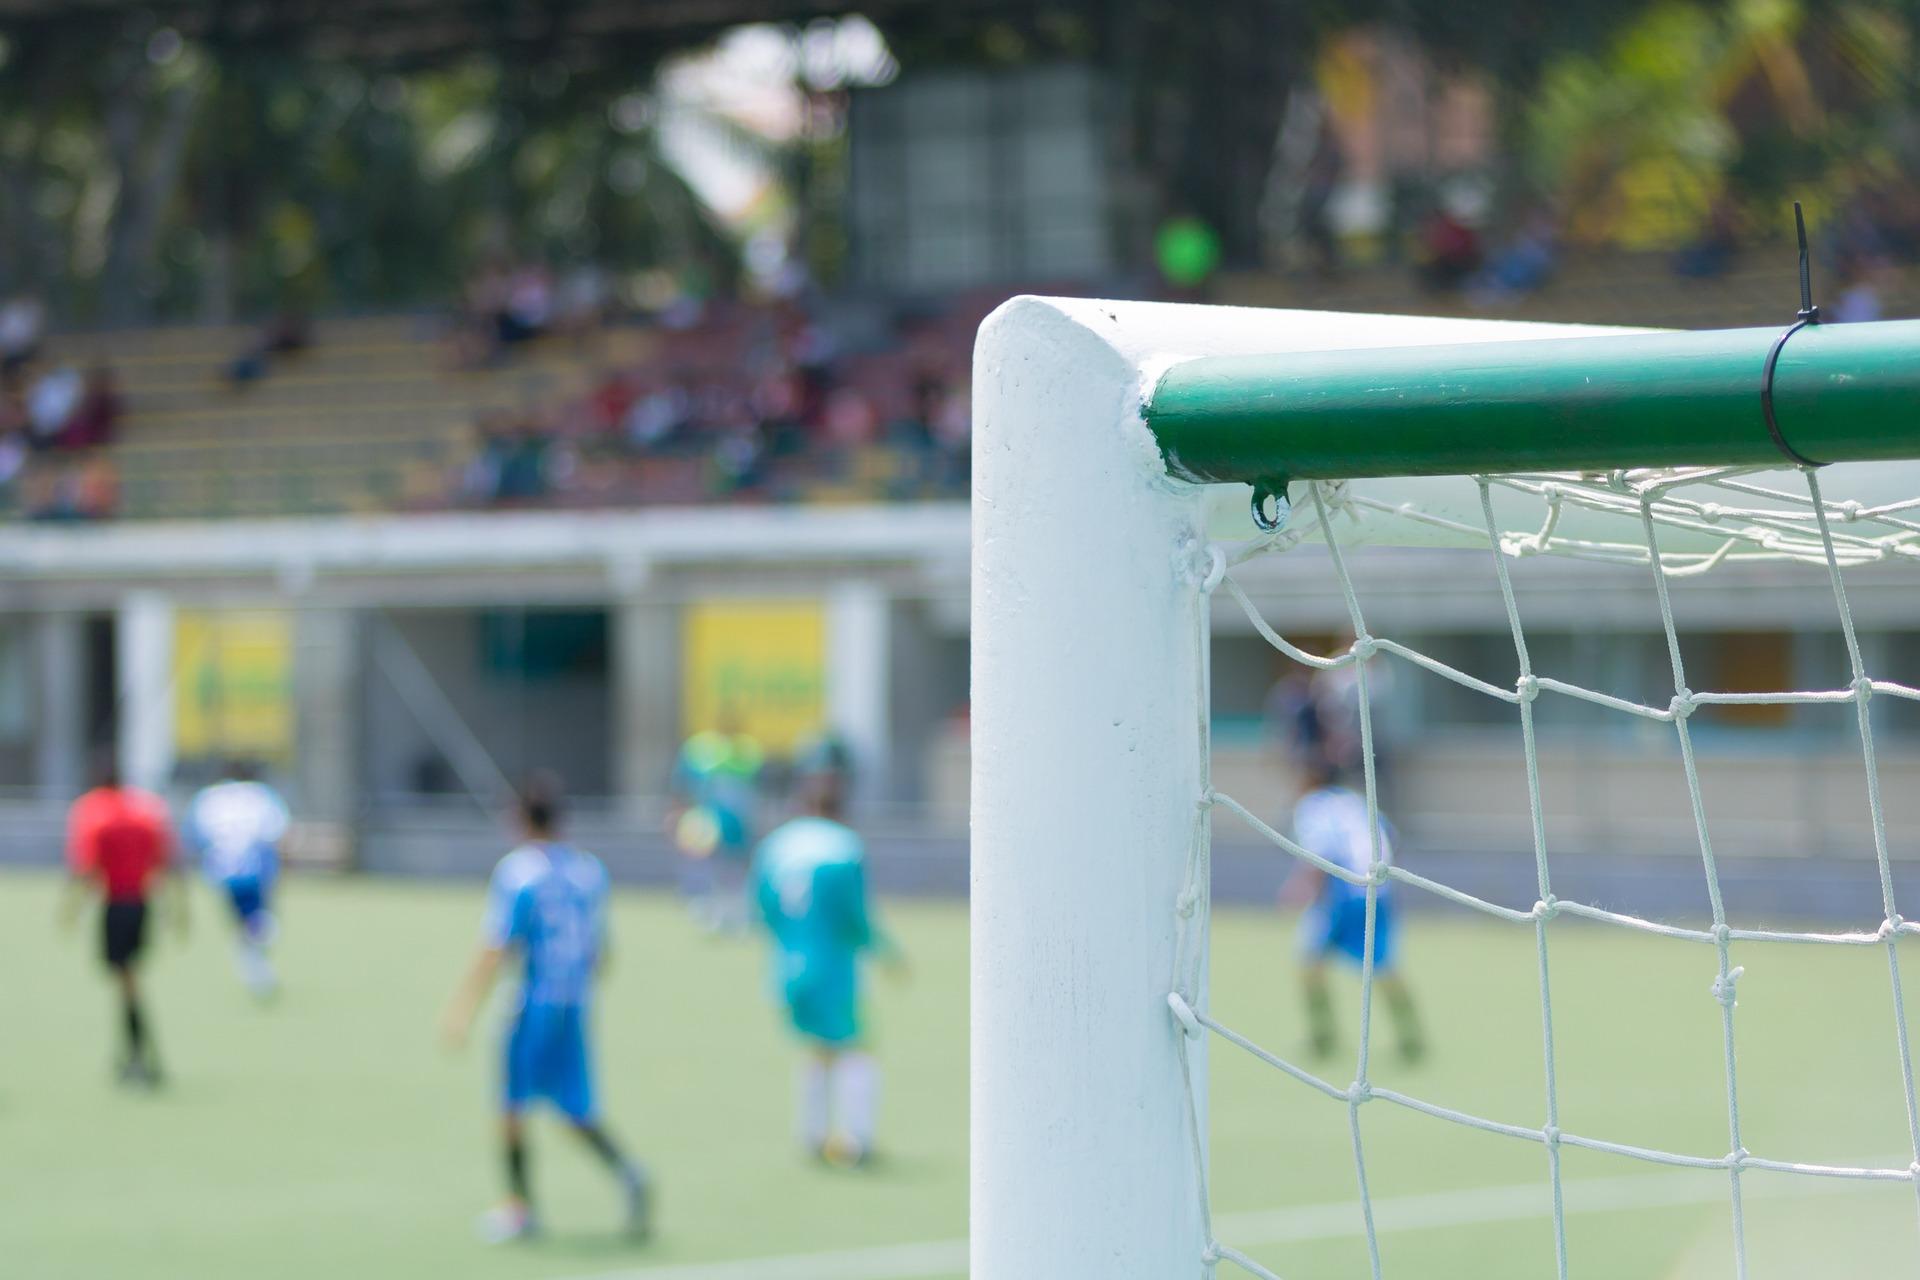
(507, 303)
(1874, 235)
(737, 401)
(54, 418)
(790, 398)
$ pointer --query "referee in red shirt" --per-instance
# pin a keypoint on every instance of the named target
(120, 846)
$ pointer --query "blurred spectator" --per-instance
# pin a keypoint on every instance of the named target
(522, 475)
(286, 332)
(655, 419)
(1713, 252)
(51, 402)
(23, 322)
(1318, 186)
(529, 308)
(851, 418)
(480, 478)
(737, 458)
(94, 419)
(1449, 251)
(13, 457)
(1524, 264)
(952, 423)
(582, 300)
(1860, 281)
(84, 490)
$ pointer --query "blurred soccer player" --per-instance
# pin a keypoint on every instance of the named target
(119, 845)
(716, 789)
(810, 887)
(237, 825)
(1331, 820)
(548, 902)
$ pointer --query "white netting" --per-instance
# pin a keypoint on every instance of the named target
(1733, 519)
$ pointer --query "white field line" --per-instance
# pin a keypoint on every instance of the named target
(1471, 1207)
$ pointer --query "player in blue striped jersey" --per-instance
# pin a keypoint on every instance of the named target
(547, 904)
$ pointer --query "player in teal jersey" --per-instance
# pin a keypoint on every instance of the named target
(716, 788)
(810, 887)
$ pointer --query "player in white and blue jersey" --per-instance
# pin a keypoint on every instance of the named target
(547, 906)
(237, 826)
(810, 888)
(1330, 820)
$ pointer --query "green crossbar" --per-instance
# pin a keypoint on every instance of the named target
(1842, 393)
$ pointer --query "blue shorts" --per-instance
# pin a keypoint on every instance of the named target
(1340, 928)
(546, 1057)
(248, 896)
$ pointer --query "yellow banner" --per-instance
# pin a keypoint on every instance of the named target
(233, 684)
(760, 664)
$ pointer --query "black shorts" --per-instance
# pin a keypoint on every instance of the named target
(123, 933)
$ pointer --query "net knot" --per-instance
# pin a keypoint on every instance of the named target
(1738, 1157)
(1380, 872)
(1849, 511)
(1184, 1015)
(1216, 568)
(1183, 905)
(1547, 908)
(1528, 687)
(1890, 927)
(1618, 483)
(1207, 800)
(1722, 934)
(1723, 988)
(1551, 1135)
(1682, 705)
(1711, 512)
(1358, 1092)
(1913, 1171)
(1210, 1256)
(1363, 648)
(1862, 688)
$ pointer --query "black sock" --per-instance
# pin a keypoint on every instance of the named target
(1406, 1021)
(517, 1170)
(136, 1033)
(1320, 1018)
(603, 1146)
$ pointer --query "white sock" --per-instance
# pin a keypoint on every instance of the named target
(255, 969)
(813, 1103)
(856, 1097)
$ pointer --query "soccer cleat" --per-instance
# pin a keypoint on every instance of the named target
(840, 1152)
(506, 1223)
(136, 1073)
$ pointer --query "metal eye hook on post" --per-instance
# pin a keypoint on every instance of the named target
(1271, 490)
(1809, 314)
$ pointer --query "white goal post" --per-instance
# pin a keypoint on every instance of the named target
(1092, 567)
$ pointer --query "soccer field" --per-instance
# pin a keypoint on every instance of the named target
(328, 1135)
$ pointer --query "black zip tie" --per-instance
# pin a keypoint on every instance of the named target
(1808, 314)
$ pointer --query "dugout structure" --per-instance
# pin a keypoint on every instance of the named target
(1112, 446)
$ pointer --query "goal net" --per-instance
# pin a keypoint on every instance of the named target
(1114, 443)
